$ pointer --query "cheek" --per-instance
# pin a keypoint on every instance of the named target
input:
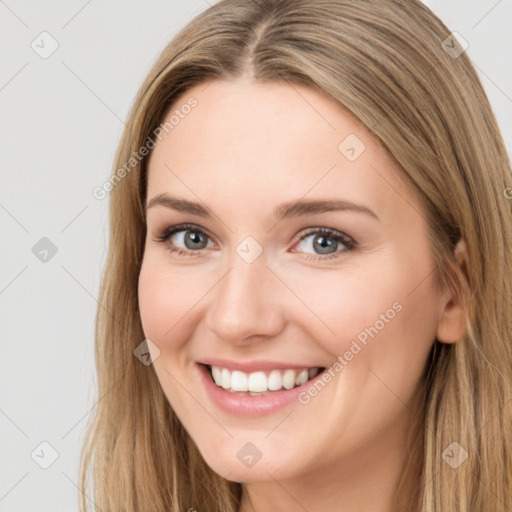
(389, 312)
(164, 299)
(388, 324)
(347, 304)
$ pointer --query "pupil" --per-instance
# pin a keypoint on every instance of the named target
(194, 238)
(322, 244)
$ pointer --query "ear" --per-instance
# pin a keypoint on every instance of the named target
(452, 323)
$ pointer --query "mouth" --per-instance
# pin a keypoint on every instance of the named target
(261, 383)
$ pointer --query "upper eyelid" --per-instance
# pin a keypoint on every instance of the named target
(177, 228)
(304, 233)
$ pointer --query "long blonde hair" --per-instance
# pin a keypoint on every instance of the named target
(394, 65)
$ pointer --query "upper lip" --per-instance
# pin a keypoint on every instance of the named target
(254, 366)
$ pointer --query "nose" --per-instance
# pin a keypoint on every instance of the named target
(246, 303)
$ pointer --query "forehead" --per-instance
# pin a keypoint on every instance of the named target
(247, 142)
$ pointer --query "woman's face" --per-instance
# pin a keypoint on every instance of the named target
(303, 250)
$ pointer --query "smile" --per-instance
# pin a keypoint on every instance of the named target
(254, 388)
(261, 382)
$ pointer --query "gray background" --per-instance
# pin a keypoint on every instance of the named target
(62, 117)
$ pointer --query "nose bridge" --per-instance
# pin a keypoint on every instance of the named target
(245, 302)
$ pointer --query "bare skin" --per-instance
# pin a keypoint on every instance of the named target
(243, 150)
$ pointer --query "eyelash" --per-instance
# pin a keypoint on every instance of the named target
(349, 243)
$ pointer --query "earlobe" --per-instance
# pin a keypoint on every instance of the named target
(452, 323)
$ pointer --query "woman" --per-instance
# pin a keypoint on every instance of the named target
(306, 303)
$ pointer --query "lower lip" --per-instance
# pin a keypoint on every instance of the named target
(247, 405)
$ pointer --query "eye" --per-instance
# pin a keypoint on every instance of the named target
(325, 242)
(190, 240)
(185, 239)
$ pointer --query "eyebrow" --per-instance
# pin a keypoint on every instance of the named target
(300, 207)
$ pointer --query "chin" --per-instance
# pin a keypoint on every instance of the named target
(243, 461)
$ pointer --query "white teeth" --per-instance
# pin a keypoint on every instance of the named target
(259, 382)
(275, 380)
(225, 378)
(239, 381)
(302, 378)
(289, 379)
(217, 375)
